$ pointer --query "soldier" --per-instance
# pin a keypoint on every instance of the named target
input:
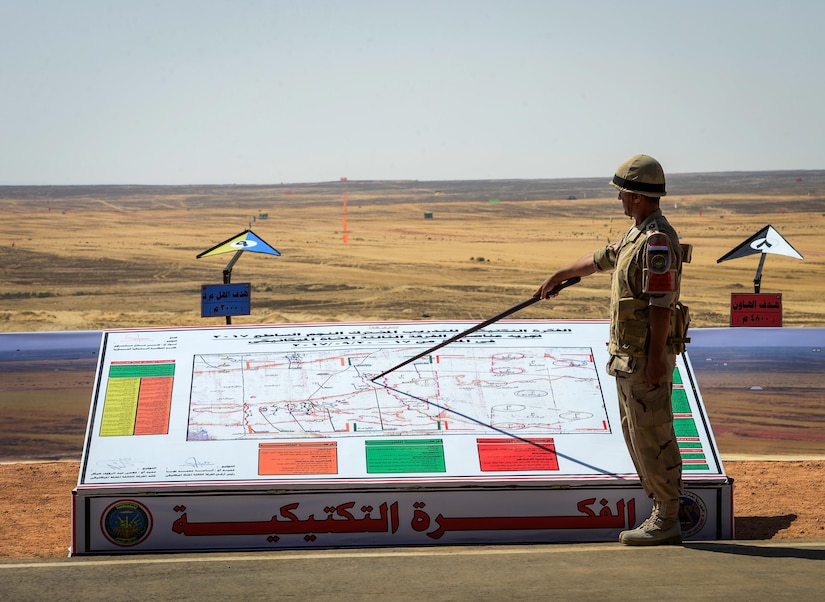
(647, 329)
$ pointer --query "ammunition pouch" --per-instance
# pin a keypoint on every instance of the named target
(679, 324)
(630, 335)
(632, 327)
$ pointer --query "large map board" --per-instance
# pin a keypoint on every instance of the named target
(299, 408)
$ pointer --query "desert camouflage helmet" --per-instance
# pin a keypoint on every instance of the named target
(642, 174)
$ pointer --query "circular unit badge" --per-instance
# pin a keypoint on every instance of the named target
(693, 514)
(126, 523)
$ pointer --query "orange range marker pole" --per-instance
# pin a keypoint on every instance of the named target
(346, 234)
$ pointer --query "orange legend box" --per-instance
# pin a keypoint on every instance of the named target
(514, 455)
(298, 458)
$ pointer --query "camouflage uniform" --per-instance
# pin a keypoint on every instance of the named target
(646, 414)
(647, 270)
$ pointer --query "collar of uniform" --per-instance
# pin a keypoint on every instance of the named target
(636, 231)
(645, 225)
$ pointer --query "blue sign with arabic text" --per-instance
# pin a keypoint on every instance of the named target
(225, 300)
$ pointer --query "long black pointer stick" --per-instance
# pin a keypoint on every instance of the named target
(504, 314)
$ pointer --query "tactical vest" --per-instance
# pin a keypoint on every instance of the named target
(638, 270)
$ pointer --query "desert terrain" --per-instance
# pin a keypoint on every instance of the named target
(98, 257)
(87, 258)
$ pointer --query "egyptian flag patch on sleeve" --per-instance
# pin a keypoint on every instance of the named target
(659, 275)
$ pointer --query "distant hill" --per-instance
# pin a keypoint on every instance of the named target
(804, 183)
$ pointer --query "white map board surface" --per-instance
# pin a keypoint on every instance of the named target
(295, 404)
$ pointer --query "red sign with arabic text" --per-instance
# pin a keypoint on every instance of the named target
(756, 309)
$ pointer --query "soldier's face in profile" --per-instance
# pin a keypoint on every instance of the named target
(627, 202)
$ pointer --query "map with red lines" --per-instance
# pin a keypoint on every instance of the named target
(463, 390)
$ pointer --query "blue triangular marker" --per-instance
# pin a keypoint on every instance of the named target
(245, 241)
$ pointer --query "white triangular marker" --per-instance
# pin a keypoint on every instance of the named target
(767, 240)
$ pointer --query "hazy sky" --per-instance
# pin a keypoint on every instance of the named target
(209, 91)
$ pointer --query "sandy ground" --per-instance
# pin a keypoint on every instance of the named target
(110, 257)
(772, 500)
